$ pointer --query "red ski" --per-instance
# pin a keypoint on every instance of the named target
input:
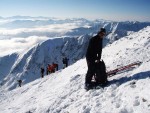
(122, 69)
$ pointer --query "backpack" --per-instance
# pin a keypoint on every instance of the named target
(101, 76)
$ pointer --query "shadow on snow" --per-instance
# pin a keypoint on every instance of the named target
(138, 76)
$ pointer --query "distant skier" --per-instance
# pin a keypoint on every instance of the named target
(93, 56)
(42, 72)
(65, 62)
(19, 82)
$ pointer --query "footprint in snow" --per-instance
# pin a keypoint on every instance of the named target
(133, 84)
(136, 102)
(75, 77)
(117, 105)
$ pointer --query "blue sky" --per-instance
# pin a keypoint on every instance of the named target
(104, 9)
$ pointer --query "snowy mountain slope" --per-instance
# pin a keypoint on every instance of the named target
(63, 91)
(121, 29)
(27, 65)
(123, 49)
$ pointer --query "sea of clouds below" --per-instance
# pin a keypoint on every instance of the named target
(20, 39)
(20, 33)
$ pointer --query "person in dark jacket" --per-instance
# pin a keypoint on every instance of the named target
(65, 62)
(93, 55)
(19, 82)
(42, 72)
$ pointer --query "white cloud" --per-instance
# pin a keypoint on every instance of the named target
(18, 44)
(19, 39)
(40, 31)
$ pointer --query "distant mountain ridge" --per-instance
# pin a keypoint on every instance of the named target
(30, 26)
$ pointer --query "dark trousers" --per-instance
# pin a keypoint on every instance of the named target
(42, 75)
(90, 73)
(65, 65)
(19, 84)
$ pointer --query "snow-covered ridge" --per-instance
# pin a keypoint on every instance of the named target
(136, 45)
(63, 91)
(27, 65)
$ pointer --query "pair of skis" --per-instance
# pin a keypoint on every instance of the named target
(123, 69)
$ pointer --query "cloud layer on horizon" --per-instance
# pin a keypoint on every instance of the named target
(13, 45)
(17, 40)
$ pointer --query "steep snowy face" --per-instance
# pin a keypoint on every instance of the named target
(27, 65)
(6, 64)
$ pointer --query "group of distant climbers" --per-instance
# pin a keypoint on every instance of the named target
(51, 68)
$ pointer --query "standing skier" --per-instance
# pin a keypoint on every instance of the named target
(93, 56)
